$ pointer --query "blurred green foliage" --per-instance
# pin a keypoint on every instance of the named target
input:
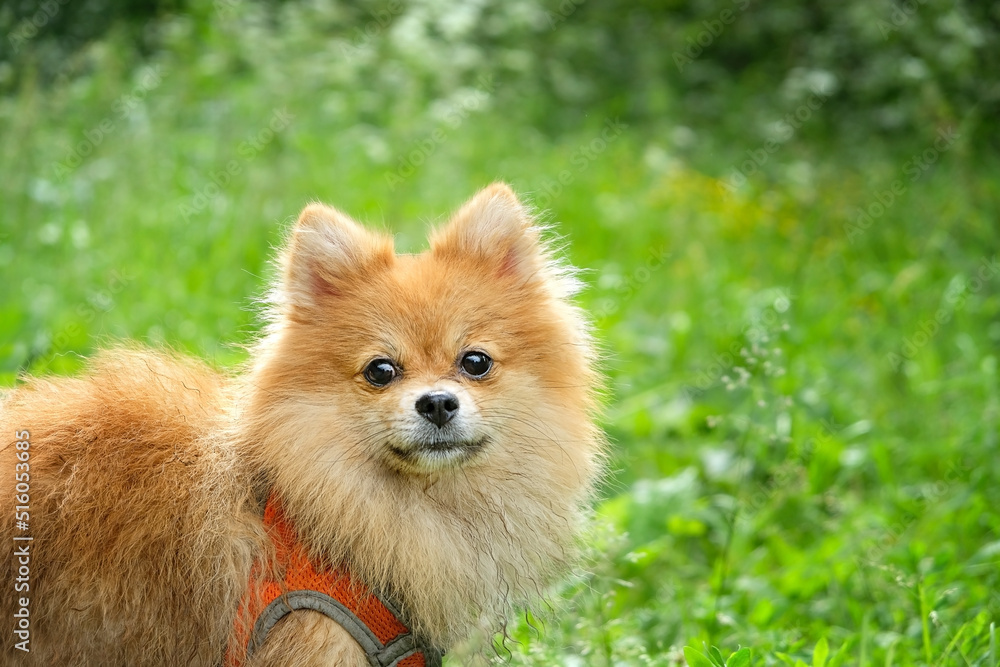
(789, 243)
(888, 66)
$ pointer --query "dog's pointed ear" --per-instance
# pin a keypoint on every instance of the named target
(493, 227)
(327, 252)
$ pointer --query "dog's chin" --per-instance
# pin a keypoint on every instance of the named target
(435, 456)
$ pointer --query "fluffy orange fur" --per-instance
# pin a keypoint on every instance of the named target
(147, 474)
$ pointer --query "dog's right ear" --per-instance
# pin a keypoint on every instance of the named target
(326, 254)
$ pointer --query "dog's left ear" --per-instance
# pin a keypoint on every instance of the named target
(495, 228)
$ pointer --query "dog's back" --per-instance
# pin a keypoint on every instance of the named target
(127, 481)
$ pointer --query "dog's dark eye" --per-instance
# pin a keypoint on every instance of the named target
(476, 364)
(380, 372)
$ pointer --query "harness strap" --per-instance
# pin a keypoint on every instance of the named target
(371, 621)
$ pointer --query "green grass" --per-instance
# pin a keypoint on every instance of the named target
(804, 457)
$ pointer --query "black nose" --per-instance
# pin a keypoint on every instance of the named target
(438, 407)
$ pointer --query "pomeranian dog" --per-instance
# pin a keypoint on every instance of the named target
(406, 458)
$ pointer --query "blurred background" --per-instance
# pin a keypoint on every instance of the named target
(788, 217)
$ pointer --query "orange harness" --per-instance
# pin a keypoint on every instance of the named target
(373, 623)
